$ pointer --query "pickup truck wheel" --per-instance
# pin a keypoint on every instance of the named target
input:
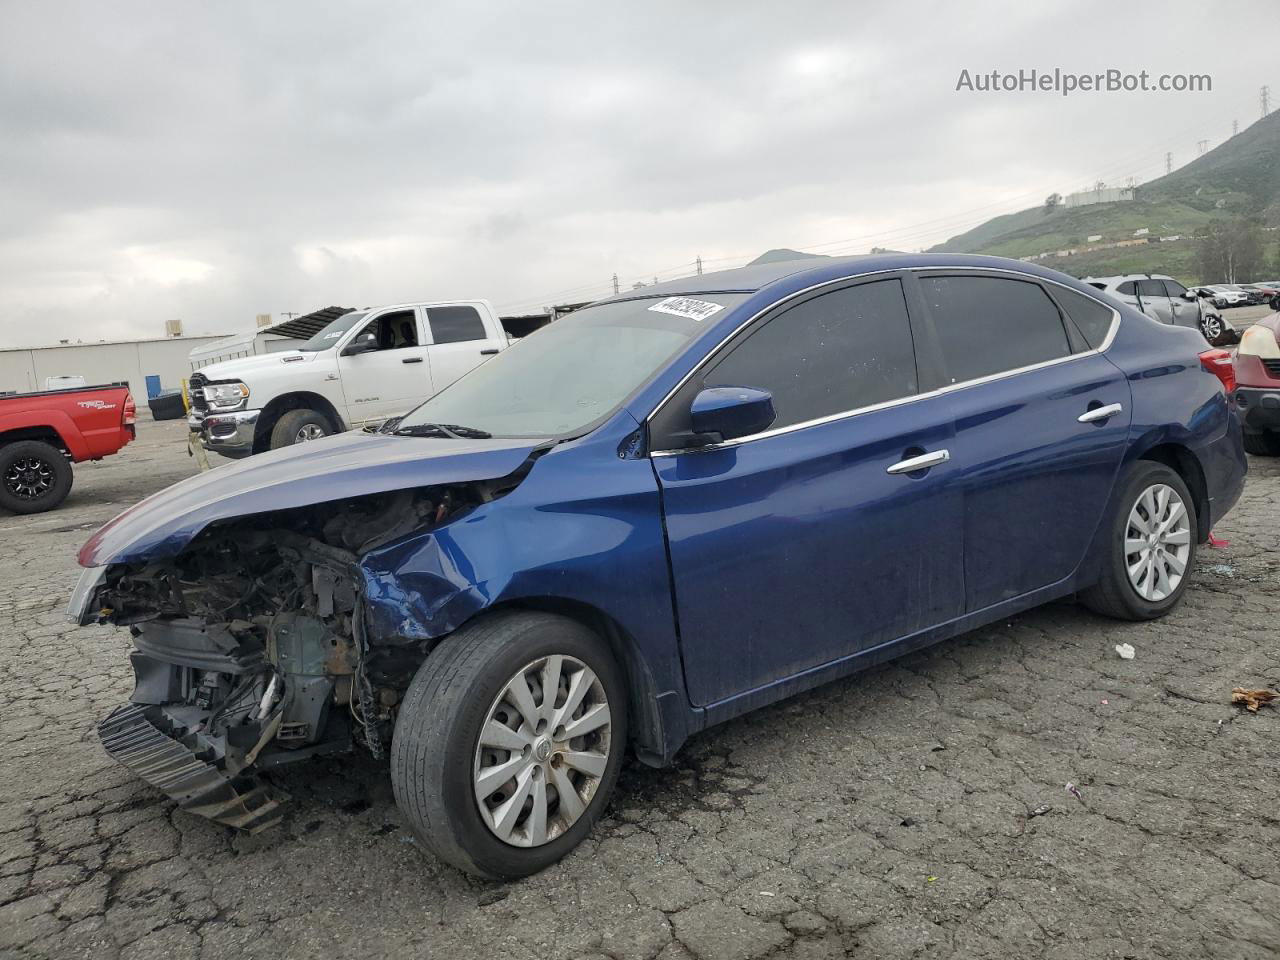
(299, 426)
(34, 476)
(509, 742)
(1152, 546)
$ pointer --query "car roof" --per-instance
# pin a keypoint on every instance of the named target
(813, 270)
(1123, 277)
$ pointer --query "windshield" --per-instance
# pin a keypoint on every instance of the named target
(571, 373)
(329, 336)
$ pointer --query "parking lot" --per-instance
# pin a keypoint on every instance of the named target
(919, 809)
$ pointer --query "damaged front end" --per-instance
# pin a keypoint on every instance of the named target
(251, 649)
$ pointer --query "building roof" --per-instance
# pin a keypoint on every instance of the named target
(112, 343)
(308, 325)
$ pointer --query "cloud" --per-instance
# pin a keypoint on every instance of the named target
(215, 161)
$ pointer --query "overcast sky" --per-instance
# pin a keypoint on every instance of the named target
(213, 161)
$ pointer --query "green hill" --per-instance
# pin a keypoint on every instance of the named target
(1239, 178)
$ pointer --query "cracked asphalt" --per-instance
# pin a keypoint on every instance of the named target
(917, 810)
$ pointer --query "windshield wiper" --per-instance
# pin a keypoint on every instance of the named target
(452, 430)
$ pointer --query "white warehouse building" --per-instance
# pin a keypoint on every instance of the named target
(148, 366)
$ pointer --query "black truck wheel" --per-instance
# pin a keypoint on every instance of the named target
(34, 476)
(509, 742)
(299, 426)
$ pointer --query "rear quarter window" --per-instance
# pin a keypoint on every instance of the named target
(1091, 318)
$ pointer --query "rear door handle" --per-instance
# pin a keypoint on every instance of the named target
(922, 462)
(1100, 413)
(410, 359)
(488, 353)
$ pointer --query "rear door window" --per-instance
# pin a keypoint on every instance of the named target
(1128, 288)
(455, 324)
(990, 325)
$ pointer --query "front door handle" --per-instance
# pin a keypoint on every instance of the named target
(1100, 413)
(410, 359)
(488, 353)
(922, 462)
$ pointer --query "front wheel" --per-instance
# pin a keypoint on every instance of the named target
(1212, 328)
(34, 476)
(509, 742)
(1151, 546)
(299, 426)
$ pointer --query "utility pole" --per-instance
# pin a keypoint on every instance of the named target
(1235, 127)
(289, 313)
(1201, 147)
(1168, 162)
(1264, 95)
(615, 284)
(699, 264)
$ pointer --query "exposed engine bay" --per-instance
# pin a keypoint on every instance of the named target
(251, 649)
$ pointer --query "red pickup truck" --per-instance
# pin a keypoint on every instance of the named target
(42, 434)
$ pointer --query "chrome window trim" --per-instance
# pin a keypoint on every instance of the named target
(871, 408)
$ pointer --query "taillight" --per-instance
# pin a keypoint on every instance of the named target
(129, 415)
(1218, 362)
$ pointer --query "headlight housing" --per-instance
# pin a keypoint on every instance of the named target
(225, 396)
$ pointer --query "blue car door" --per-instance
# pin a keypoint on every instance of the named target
(809, 542)
(1042, 421)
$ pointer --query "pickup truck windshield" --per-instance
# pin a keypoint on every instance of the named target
(331, 334)
(571, 373)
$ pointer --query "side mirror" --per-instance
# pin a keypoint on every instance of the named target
(726, 413)
(365, 343)
(1188, 295)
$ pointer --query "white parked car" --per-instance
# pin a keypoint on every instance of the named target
(1224, 295)
(1165, 299)
(365, 367)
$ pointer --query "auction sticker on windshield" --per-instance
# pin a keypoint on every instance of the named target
(686, 307)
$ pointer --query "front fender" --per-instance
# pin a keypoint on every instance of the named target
(583, 529)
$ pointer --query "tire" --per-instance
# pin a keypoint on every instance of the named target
(293, 427)
(1265, 444)
(1213, 327)
(34, 476)
(1115, 594)
(437, 759)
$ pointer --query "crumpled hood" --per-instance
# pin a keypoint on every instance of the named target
(335, 468)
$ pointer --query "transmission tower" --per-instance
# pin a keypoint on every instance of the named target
(1168, 163)
(1201, 147)
(1264, 95)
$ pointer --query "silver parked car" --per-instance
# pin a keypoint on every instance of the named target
(1165, 299)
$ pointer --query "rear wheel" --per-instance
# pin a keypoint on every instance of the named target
(509, 742)
(1151, 546)
(34, 476)
(299, 426)
(1265, 444)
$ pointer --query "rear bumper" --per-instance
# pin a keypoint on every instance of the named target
(1259, 407)
(230, 434)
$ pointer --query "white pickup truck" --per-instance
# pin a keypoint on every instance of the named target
(363, 368)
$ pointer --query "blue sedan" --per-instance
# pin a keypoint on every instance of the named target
(662, 511)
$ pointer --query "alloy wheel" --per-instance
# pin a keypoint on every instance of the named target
(309, 431)
(1212, 328)
(542, 751)
(29, 478)
(1157, 542)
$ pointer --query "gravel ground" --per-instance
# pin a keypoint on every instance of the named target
(916, 810)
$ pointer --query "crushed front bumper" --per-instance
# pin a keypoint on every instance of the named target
(230, 434)
(132, 735)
